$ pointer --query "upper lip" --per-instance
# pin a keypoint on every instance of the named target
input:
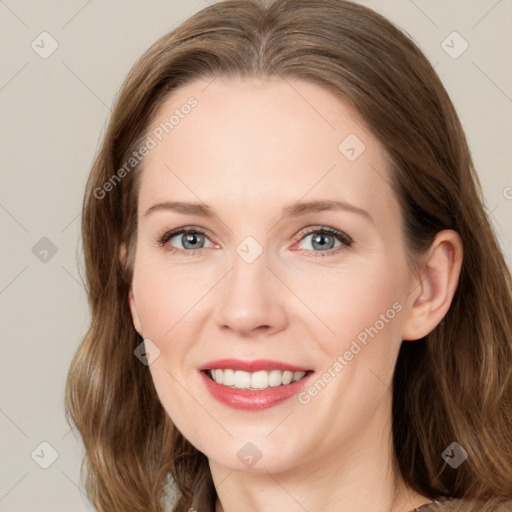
(251, 366)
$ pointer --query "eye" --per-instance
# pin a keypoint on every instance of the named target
(324, 239)
(190, 239)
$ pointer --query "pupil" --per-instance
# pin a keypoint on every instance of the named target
(190, 238)
(318, 239)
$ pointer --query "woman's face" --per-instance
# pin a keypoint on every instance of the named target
(257, 289)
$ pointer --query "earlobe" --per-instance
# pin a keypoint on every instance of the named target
(432, 291)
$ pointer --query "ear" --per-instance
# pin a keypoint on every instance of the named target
(433, 289)
(131, 298)
(135, 314)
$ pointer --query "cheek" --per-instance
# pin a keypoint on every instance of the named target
(168, 304)
(165, 307)
(162, 298)
(366, 316)
(350, 302)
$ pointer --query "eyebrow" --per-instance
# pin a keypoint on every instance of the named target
(294, 210)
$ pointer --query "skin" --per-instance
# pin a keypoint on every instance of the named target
(249, 149)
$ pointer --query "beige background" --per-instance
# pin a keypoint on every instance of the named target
(52, 113)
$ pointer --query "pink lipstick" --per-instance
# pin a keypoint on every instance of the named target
(279, 381)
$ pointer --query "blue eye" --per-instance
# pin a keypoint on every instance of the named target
(193, 239)
(190, 239)
(325, 239)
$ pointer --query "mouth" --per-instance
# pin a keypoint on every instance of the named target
(253, 385)
(255, 381)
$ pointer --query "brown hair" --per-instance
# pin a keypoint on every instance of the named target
(453, 385)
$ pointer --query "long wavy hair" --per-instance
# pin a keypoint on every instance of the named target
(455, 384)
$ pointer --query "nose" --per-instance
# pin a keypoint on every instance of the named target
(252, 299)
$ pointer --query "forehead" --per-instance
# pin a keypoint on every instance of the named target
(248, 142)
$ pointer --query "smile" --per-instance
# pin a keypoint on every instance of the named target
(253, 385)
(254, 381)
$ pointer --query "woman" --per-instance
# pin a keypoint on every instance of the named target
(298, 302)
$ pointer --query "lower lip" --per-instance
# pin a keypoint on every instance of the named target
(249, 400)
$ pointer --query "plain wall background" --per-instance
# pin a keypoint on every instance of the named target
(53, 112)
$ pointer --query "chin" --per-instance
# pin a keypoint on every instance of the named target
(255, 456)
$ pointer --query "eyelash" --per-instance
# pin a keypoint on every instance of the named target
(345, 240)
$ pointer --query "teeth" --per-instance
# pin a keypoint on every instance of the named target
(257, 380)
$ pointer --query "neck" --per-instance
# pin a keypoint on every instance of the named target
(356, 476)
